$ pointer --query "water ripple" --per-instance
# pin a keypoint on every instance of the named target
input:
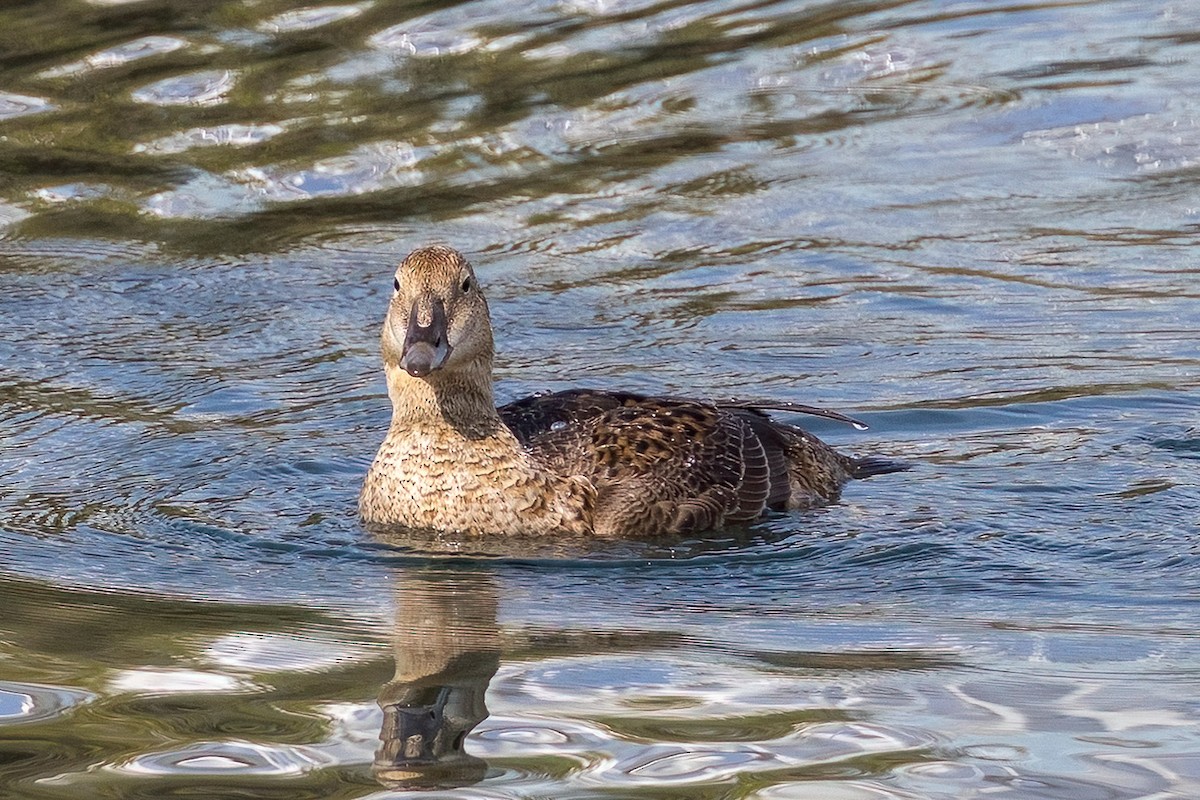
(972, 224)
(665, 766)
(205, 88)
(144, 47)
(231, 135)
(19, 105)
(371, 167)
(26, 702)
(1145, 143)
(303, 19)
(208, 758)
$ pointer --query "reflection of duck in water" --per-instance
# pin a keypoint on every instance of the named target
(447, 650)
(612, 464)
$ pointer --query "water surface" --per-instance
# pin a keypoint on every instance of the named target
(968, 223)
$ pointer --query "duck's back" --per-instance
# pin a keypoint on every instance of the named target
(663, 465)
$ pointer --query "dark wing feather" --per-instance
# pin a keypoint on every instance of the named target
(659, 466)
(665, 465)
(795, 408)
(775, 449)
(547, 412)
(535, 414)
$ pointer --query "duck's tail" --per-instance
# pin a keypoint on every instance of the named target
(869, 466)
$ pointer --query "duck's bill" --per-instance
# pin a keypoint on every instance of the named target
(425, 346)
(422, 358)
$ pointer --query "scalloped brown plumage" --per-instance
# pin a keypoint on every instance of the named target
(582, 461)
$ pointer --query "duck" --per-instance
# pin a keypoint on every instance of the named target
(588, 462)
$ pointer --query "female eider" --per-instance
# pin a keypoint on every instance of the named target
(583, 461)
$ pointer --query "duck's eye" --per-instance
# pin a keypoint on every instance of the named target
(396, 284)
(466, 285)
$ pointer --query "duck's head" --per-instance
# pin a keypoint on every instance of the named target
(437, 319)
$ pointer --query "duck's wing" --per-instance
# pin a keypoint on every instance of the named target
(539, 413)
(550, 412)
(754, 404)
(659, 465)
(668, 467)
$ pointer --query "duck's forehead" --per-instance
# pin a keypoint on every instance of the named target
(433, 264)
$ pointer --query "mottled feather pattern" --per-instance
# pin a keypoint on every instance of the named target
(706, 464)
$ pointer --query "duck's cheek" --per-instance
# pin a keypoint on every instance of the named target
(462, 348)
(392, 340)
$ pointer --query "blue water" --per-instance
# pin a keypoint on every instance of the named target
(968, 224)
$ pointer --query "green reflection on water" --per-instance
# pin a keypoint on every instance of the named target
(156, 684)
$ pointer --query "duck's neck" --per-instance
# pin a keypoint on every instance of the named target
(460, 399)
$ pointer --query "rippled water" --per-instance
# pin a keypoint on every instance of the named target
(969, 223)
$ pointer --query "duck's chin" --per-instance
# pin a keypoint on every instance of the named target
(466, 365)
